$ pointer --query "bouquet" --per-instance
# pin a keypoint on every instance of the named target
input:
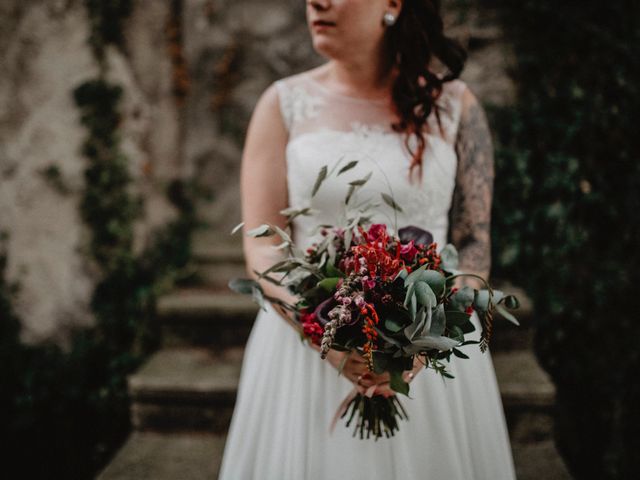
(391, 297)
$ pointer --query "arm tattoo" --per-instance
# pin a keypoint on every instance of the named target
(470, 214)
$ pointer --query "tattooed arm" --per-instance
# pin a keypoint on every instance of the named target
(470, 216)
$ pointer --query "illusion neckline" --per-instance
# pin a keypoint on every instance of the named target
(327, 90)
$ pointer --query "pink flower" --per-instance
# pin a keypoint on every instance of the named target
(376, 231)
(408, 251)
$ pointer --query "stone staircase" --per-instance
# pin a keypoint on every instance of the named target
(183, 397)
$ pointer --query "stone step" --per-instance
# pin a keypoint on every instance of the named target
(209, 316)
(185, 388)
(205, 316)
(192, 388)
(217, 263)
(167, 456)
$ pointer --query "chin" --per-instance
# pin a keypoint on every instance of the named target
(326, 48)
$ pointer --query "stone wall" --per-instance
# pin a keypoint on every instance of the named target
(236, 48)
(232, 49)
(44, 55)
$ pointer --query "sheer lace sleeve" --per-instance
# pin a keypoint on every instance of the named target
(472, 198)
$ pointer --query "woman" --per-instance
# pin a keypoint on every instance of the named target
(373, 101)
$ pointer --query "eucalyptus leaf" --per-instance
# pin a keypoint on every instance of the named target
(362, 181)
(258, 296)
(352, 189)
(424, 294)
(449, 257)
(397, 384)
(409, 294)
(413, 330)
(261, 231)
(438, 321)
(481, 300)
(322, 175)
(511, 301)
(455, 317)
(435, 280)
(459, 354)
(388, 199)
(347, 167)
(387, 339)
(284, 235)
(437, 342)
(237, 227)
(243, 285)
(506, 314)
(392, 325)
(462, 299)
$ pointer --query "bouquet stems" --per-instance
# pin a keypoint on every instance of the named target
(377, 415)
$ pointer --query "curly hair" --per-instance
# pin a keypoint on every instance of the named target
(412, 42)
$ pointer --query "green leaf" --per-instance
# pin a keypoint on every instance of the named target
(435, 280)
(511, 301)
(329, 284)
(243, 285)
(388, 199)
(362, 181)
(438, 321)
(416, 327)
(449, 257)
(284, 235)
(409, 294)
(333, 271)
(462, 299)
(457, 333)
(481, 300)
(437, 342)
(380, 362)
(454, 317)
(347, 167)
(425, 295)
(322, 175)
(237, 227)
(349, 194)
(459, 354)
(261, 231)
(506, 314)
(387, 339)
(397, 383)
(392, 325)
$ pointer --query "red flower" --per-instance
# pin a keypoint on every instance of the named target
(408, 251)
(311, 327)
(376, 232)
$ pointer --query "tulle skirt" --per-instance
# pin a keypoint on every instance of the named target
(288, 396)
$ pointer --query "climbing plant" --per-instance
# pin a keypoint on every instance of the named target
(569, 171)
(63, 412)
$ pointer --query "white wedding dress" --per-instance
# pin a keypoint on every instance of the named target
(287, 395)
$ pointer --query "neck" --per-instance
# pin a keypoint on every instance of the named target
(366, 73)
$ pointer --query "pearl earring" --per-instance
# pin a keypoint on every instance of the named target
(389, 19)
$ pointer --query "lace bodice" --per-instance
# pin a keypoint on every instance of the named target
(326, 127)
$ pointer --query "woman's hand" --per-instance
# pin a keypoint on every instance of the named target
(354, 366)
(382, 382)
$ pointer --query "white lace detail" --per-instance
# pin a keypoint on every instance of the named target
(297, 104)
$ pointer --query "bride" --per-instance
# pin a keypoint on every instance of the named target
(422, 135)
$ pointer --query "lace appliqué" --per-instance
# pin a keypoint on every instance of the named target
(298, 105)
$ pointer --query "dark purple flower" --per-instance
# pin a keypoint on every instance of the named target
(323, 309)
(418, 235)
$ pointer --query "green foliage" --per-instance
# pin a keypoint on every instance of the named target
(568, 166)
(63, 413)
(106, 18)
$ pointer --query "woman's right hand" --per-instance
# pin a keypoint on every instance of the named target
(354, 369)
